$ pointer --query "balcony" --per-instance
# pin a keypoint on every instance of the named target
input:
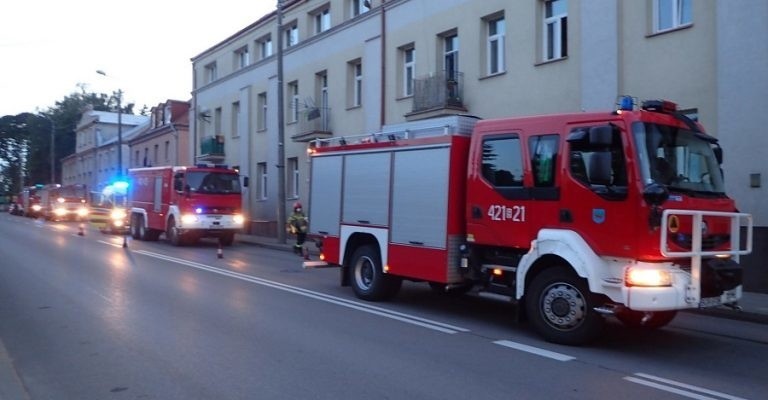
(314, 123)
(438, 94)
(212, 149)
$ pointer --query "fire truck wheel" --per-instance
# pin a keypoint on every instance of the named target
(561, 307)
(655, 320)
(135, 226)
(368, 280)
(173, 233)
(142, 229)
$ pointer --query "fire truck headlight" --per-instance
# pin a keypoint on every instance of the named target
(238, 219)
(647, 277)
(118, 214)
(60, 200)
(60, 212)
(36, 207)
(188, 218)
(82, 212)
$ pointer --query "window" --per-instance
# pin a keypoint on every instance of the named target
(543, 151)
(156, 154)
(136, 162)
(217, 121)
(265, 47)
(236, 119)
(293, 89)
(503, 162)
(451, 56)
(671, 14)
(322, 20)
(356, 73)
(167, 151)
(291, 35)
(211, 73)
(261, 105)
(596, 160)
(261, 174)
(146, 157)
(555, 29)
(409, 69)
(293, 177)
(360, 7)
(321, 87)
(495, 49)
(242, 58)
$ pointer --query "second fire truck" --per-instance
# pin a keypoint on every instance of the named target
(574, 216)
(185, 203)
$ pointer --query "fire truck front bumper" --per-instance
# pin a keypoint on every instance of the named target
(665, 287)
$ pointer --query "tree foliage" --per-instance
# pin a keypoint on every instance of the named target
(26, 138)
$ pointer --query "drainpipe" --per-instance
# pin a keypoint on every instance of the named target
(383, 101)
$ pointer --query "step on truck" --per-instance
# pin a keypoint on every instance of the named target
(573, 217)
(185, 203)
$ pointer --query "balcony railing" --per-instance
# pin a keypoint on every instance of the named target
(212, 148)
(314, 123)
(443, 89)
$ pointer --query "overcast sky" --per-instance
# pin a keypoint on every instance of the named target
(47, 47)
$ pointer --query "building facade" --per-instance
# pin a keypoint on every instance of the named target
(166, 140)
(94, 162)
(352, 66)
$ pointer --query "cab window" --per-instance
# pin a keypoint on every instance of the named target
(502, 162)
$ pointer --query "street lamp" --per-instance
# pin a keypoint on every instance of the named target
(119, 130)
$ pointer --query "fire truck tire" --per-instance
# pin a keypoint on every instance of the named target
(367, 278)
(655, 320)
(560, 307)
(142, 229)
(173, 233)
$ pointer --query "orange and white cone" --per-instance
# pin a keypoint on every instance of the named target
(220, 252)
(81, 229)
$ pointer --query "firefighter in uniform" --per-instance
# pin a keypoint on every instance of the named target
(297, 225)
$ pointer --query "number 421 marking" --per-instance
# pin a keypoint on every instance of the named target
(503, 213)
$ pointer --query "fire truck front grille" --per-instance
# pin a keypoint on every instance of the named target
(217, 210)
(709, 242)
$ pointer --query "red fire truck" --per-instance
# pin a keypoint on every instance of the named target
(185, 203)
(574, 217)
(30, 201)
(60, 203)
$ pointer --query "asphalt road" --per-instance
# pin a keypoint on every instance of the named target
(83, 318)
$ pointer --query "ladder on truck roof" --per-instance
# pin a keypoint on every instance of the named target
(441, 126)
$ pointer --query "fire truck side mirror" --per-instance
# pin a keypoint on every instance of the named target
(718, 154)
(187, 190)
(600, 168)
(245, 181)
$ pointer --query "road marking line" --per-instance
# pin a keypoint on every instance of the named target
(110, 244)
(535, 350)
(407, 318)
(671, 386)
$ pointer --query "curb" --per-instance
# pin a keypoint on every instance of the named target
(11, 387)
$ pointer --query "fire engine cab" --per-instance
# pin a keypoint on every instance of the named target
(574, 217)
(185, 203)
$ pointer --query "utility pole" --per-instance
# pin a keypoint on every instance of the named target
(281, 220)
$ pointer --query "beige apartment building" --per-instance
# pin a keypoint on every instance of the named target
(166, 140)
(353, 66)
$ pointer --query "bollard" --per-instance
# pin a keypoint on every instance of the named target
(81, 230)
(220, 252)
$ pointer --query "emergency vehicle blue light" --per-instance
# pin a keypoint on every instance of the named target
(120, 185)
(198, 210)
(627, 103)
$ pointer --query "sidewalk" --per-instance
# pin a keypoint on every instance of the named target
(754, 306)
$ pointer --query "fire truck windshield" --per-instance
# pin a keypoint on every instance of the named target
(213, 182)
(682, 160)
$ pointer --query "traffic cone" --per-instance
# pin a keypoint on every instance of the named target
(220, 252)
(81, 230)
(305, 252)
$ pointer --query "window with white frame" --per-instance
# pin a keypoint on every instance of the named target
(293, 90)
(235, 119)
(555, 29)
(261, 183)
(451, 56)
(167, 150)
(242, 57)
(291, 35)
(356, 78)
(261, 109)
(495, 45)
(265, 47)
(322, 20)
(671, 14)
(156, 154)
(293, 177)
(409, 69)
(321, 89)
(211, 72)
(360, 7)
